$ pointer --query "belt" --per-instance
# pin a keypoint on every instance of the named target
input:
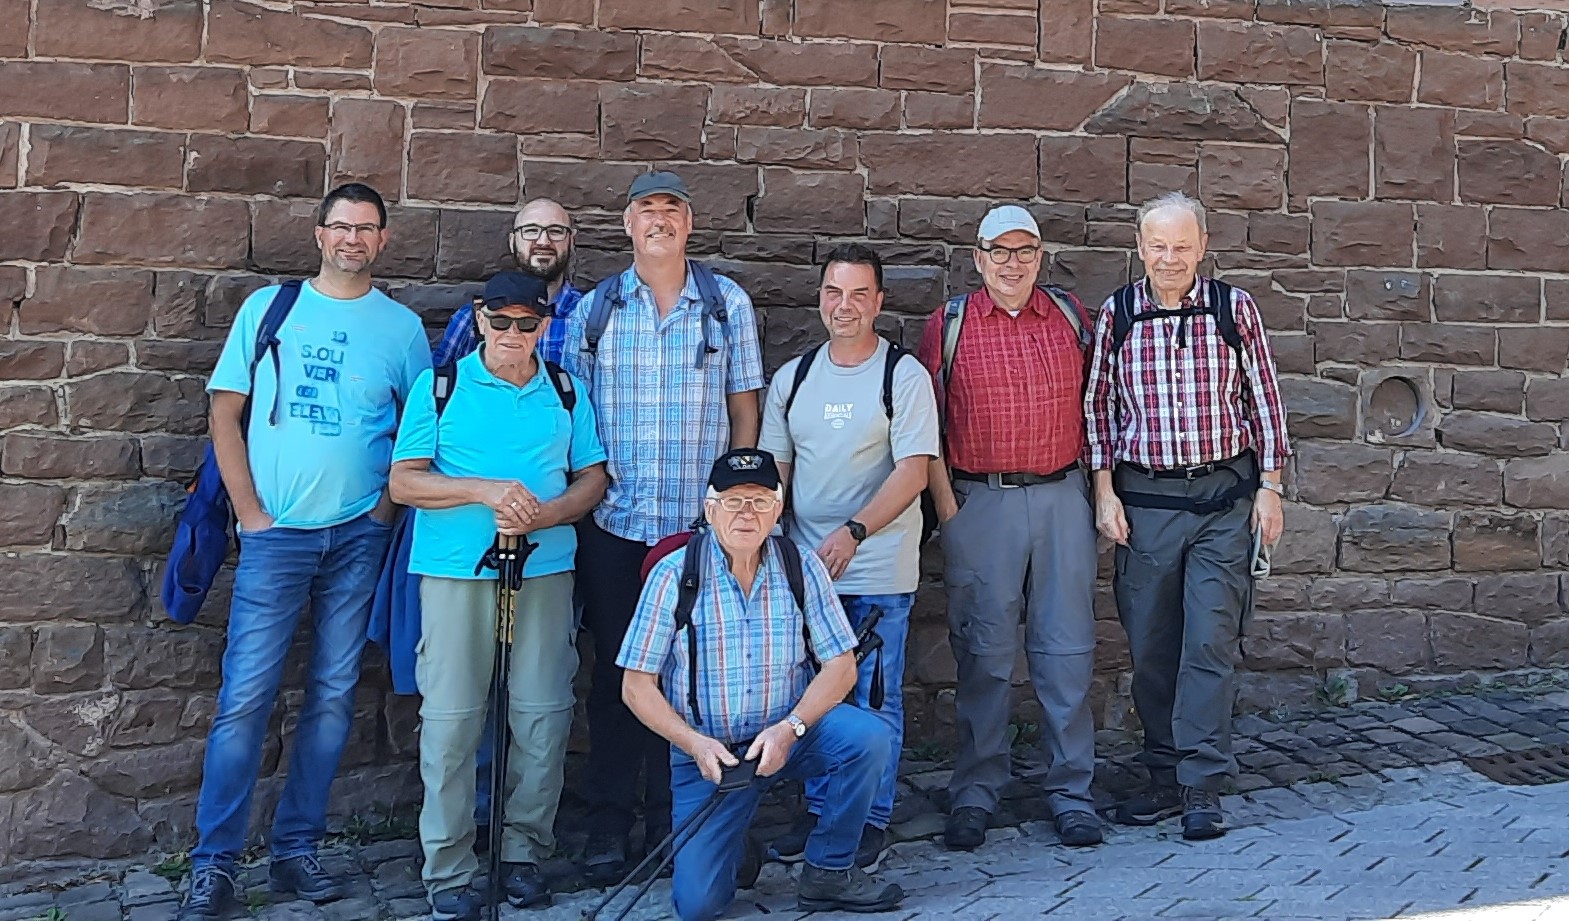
(1182, 473)
(1014, 480)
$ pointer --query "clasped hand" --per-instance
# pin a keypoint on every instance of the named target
(517, 510)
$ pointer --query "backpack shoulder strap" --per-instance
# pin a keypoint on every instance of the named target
(607, 297)
(890, 367)
(563, 384)
(443, 379)
(1121, 317)
(686, 600)
(1071, 310)
(790, 559)
(952, 321)
(802, 368)
(713, 307)
(1225, 316)
(267, 344)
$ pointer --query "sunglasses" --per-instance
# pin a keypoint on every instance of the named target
(501, 324)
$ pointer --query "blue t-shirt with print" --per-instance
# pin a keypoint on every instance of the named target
(495, 429)
(344, 368)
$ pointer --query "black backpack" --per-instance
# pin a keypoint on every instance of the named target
(608, 299)
(446, 378)
(1217, 293)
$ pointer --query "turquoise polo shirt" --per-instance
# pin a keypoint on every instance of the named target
(495, 430)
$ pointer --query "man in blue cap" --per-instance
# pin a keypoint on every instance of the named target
(503, 452)
(669, 352)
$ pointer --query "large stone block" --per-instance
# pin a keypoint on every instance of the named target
(1414, 153)
(758, 106)
(1537, 482)
(1380, 295)
(170, 31)
(1449, 343)
(150, 773)
(1392, 641)
(915, 67)
(26, 764)
(1321, 133)
(290, 116)
(1487, 299)
(1161, 46)
(1369, 72)
(162, 229)
(1235, 176)
(864, 109)
(911, 21)
(1014, 96)
(1376, 538)
(528, 51)
(257, 166)
(31, 360)
(205, 98)
(1496, 434)
(245, 33)
(689, 57)
(1317, 408)
(999, 165)
(1256, 53)
(1550, 644)
(1537, 89)
(1455, 29)
(825, 202)
(71, 817)
(45, 455)
(32, 511)
(1194, 111)
(140, 657)
(129, 401)
(1534, 348)
(1295, 641)
(57, 587)
(1436, 594)
(1087, 169)
(1308, 543)
(1461, 81)
(365, 137)
(66, 91)
(473, 244)
(1450, 478)
(1451, 236)
(1530, 598)
(1528, 239)
(1506, 172)
(802, 148)
(1489, 391)
(652, 121)
(67, 657)
(1472, 641)
(447, 166)
(38, 224)
(81, 154)
(27, 406)
(1363, 233)
(538, 106)
(16, 665)
(103, 301)
(134, 519)
(1330, 472)
(1487, 540)
(426, 63)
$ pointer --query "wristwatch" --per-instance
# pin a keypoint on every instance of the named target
(857, 530)
(1276, 488)
(797, 725)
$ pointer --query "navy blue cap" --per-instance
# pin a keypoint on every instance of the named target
(517, 289)
(743, 467)
(658, 183)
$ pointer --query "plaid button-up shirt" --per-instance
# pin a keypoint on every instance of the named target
(752, 666)
(1162, 406)
(663, 421)
(459, 338)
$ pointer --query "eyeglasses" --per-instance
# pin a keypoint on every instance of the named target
(344, 230)
(762, 505)
(999, 254)
(501, 324)
(555, 232)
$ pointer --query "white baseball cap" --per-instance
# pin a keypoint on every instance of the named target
(1005, 218)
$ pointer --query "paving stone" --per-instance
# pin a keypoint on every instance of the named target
(1418, 725)
(1513, 741)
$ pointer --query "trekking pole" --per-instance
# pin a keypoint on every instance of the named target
(507, 557)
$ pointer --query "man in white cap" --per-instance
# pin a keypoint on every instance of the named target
(1018, 530)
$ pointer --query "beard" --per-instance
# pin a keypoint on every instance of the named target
(548, 271)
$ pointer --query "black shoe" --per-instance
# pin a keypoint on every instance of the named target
(304, 877)
(965, 829)
(654, 835)
(874, 847)
(751, 864)
(790, 847)
(1160, 801)
(845, 890)
(211, 894)
(605, 858)
(460, 904)
(525, 886)
(1079, 828)
(1201, 815)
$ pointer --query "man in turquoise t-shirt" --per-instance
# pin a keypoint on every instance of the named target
(308, 483)
(505, 453)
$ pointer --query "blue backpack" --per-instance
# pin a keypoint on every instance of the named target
(201, 536)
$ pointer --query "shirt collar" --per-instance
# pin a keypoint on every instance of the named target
(1194, 296)
(566, 299)
(483, 375)
(689, 292)
(1038, 303)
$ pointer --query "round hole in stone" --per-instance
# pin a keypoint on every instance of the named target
(1395, 409)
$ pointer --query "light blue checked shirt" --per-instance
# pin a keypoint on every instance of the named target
(752, 666)
(663, 421)
(459, 338)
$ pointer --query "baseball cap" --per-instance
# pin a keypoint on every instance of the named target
(1005, 218)
(743, 467)
(517, 289)
(658, 183)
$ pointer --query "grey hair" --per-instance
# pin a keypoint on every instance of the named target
(1172, 200)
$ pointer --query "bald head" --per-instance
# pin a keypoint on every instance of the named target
(542, 238)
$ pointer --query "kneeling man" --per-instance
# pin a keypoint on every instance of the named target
(739, 682)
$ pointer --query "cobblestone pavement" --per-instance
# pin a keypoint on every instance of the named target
(1354, 812)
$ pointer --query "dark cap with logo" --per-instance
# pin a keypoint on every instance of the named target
(744, 467)
(658, 183)
(517, 289)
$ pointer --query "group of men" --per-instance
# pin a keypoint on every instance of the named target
(597, 425)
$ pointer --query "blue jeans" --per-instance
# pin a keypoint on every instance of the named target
(280, 569)
(848, 749)
(893, 628)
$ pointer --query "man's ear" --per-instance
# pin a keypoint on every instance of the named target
(477, 303)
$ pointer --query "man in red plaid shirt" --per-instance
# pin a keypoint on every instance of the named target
(1018, 533)
(1187, 438)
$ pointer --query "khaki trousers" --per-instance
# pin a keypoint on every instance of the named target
(453, 666)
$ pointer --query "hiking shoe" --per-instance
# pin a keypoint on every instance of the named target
(211, 894)
(460, 904)
(790, 847)
(303, 876)
(1202, 818)
(525, 886)
(654, 834)
(1160, 801)
(874, 847)
(845, 890)
(605, 858)
(1078, 828)
(965, 829)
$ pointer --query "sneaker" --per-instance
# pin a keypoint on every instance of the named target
(965, 829)
(874, 847)
(210, 896)
(790, 847)
(525, 886)
(845, 890)
(1202, 818)
(304, 877)
(1160, 801)
(460, 904)
(1079, 828)
(605, 858)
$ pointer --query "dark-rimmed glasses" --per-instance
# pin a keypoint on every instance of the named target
(554, 232)
(999, 254)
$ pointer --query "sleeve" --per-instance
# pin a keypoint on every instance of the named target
(929, 351)
(1261, 388)
(775, 436)
(457, 339)
(417, 429)
(416, 362)
(233, 371)
(744, 364)
(1100, 393)
(826, 622)
(586, 449)
(914, 429)
(574, 359)
(651, 635)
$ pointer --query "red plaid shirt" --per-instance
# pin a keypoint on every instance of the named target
(1017, 387)
(1162, 406)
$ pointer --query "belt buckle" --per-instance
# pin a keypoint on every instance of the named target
(995, 480)
(1193, 473)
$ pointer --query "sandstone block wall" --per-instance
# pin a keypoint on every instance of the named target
(1387, 181)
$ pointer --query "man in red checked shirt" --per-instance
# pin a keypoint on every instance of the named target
(1018, 533)
(1187, 436)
